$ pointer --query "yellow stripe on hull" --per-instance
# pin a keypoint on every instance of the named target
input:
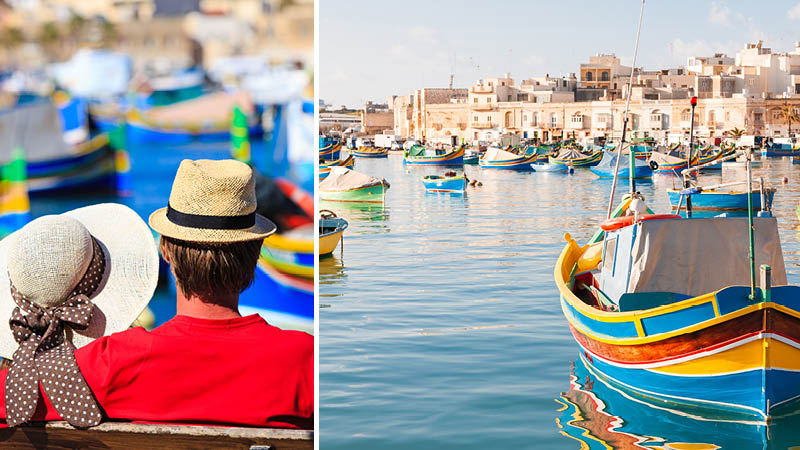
(327, 244)
(749, 356)
(286, 243)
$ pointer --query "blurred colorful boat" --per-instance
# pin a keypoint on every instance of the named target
(418, 154)
(205, 118)
(659, 314)
(345, 185)
(496, 158)
(436, 183)
(370, 152)
(331, 229)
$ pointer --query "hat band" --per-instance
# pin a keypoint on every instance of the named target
(210, 222)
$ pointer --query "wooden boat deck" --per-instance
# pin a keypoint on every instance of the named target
(111, 435)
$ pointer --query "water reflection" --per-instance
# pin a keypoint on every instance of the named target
(602, 415)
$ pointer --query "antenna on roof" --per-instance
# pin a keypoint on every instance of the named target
(452, 75)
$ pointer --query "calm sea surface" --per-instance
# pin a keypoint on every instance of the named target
(440, 324)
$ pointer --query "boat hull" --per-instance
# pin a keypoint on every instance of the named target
(328, 241)
(722, 200)
(180, 134)
(639, 171)
(521, 163)
(368, 194)
(382, 153)
(452, 184)
(454, 158)
(588, 161)
(778, 152)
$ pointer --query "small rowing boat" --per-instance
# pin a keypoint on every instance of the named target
(331, 229)
(436, 183)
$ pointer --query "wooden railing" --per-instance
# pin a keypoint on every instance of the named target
(113, 435)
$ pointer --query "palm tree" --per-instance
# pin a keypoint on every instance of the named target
(736, 132)
(787, 114)
(76, 25)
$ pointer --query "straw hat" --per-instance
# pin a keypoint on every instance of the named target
(214, 202)
(47, 258)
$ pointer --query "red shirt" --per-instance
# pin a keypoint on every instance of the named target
(239, 371)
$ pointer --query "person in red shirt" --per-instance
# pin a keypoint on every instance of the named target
(208, 365)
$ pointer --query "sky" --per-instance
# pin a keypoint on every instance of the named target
(371, 49)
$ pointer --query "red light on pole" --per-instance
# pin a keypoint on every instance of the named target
(694, 101)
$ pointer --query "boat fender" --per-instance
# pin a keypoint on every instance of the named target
(653, 165)
(624, 221)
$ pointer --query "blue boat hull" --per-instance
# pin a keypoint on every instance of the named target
(721, 201)
(640, 171)
(526, 165)
(449, 185)
(138, 132)
(740, 394)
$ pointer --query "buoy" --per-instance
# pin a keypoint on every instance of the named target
(785, 180)
(480, 184)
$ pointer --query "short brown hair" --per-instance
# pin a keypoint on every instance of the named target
(212, 271)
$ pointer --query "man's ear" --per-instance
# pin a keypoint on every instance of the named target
(161, 250)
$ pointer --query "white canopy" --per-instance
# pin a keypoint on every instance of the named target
(343, 179)
(699, 256)
(497, 154)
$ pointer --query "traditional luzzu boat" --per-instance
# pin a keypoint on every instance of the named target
(370, 152)
(331, 229)
(472, 156)
(654, 311)
(345, 185)
(496, 158)
(642, 151)
(330, 150)
(668, 163)
(326, 166)
(777, 150)
(205, 118)
(578, 159)
(418, 154)
(719, 198)
(52, 163)
(607, 166)
(437, 183)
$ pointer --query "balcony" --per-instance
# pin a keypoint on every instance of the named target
(481, 125)
(483, 107)
(602, 125)
(478, 89)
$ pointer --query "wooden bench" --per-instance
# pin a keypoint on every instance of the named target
(112, 435)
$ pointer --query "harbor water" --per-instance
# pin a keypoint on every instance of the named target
(440, 324)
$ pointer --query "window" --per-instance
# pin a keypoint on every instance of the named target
(757, 117)
(655, 118)
(524, 117)
(488, 99)
(522, 97)
(588, 76)
(490, 84)
(686, 115)
(776, 115)
(502, 83)
(604, 76)
(535, 119)
(727, 116)
(489, 119)
(509, 98)
(608, 254)
(577, 118)
(475, 119)
(475, 100)
(553, 120)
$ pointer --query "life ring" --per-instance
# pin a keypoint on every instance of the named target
(624, 221)
(653, 165)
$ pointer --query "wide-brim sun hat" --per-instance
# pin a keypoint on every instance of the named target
(126, 284)
(212, 202)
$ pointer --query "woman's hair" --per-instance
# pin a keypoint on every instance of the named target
(212, 272)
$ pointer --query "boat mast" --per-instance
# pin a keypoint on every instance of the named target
(625, 126)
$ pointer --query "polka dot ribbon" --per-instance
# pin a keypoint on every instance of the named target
(44, 355)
